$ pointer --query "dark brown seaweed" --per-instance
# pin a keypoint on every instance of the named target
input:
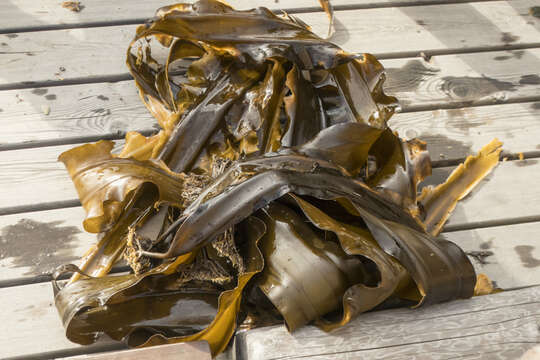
(274, 169)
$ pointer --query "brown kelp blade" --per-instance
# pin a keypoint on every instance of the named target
(440, 201)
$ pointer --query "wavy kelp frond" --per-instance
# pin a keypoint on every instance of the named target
(104, 182)
(357, 240)
(274, 176)
(398, 167)
(440, 201)
(305, 275)
(160, 311)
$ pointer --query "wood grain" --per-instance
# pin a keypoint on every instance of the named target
(486, 77)
(387, 30)
(501, 326)
(72, 111)
(456, 133)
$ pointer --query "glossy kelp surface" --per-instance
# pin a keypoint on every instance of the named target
(273, 175)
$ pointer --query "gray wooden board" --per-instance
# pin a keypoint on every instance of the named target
(499, 326)
(505, 322)
(32, 324)
(33, 244)
(508, 255)
(46, 177)
(388, 30)
(68, 112)
(63, 112)
(20, 14)
(509, 192)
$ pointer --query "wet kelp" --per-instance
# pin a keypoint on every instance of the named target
(274, 190)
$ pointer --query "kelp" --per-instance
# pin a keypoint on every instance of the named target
(273, 176)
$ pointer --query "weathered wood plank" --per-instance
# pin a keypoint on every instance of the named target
(191, 350)
(73, 111)
(40, 170)
(508, 192)
(35, 243)
(501, 326)
(508, 255)
(32, 324)
(425, 28)
(28, 177)
(456, 133)
(485, 319)
(20, 14)
(66, 113)
(494, 76)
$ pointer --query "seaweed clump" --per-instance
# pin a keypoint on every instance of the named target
(274, 190)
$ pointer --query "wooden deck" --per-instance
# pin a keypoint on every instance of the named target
(465, 72)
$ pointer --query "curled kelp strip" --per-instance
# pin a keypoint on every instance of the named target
(274, 176)
(441, 200)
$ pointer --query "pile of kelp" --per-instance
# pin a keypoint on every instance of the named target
(273, 192)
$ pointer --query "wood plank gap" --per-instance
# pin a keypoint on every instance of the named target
(118, 135)
(389, 4)
(300, 10)
(492, 223)
(52, 205)
(83, 350)
(48, 277)
(427, 54)
(468, 104)
(81, 25)
(504, 155)
(74, 81)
